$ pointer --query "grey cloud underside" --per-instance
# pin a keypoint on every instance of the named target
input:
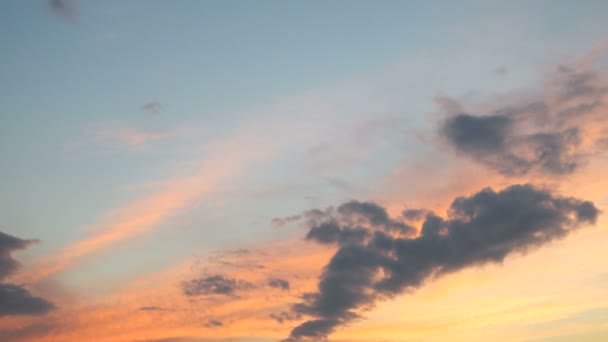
(214, 285)
(483, 228)
(278, 283)
(351, 222)
(15, 299)
(543, 134)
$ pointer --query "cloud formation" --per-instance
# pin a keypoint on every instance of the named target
(483, 228)
(553, 132)
(214, 285)
(15, 299)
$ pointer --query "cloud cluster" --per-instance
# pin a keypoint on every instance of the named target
(381, 263)
(15, 299)
(553, 132)
(214, 285)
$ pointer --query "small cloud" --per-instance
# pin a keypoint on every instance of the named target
(278, 283)
(214, 285)
(154, 308)
(64, 9)
(152, 107)
(281, 222)
(213, 323)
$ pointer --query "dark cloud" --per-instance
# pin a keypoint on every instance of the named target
(9, 244)
(278, 283)
(213, 323)
(15, 299)
(331, 233)
(281, 222)
(483, 228)
(152, 107)
(543, 134)
(415, 214)
(352, 222)
(285, 316)
(64, 9)
(154, 308)
(214, 285)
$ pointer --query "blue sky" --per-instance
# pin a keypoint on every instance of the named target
(259, 110)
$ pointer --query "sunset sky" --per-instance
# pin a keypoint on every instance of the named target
(349, 171)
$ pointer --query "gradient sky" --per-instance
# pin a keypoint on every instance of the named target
(166, 155)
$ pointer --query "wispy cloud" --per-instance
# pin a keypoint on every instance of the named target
(225, 160)
(131, 136)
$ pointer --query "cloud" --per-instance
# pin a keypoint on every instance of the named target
(154, 308)
(415, 214)
(281, 222)
(214, 285)
(152, 107)
(285, 316)
(64, 9)
(224, 161)
(278, 283)
(213, 323)
(15, 299)
(351, 222)
(483, 228)
(553, 132)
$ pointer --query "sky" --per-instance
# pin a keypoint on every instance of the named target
(298, 171)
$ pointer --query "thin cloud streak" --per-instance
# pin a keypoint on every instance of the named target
(225, 161)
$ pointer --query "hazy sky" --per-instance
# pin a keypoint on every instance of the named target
(300, 170)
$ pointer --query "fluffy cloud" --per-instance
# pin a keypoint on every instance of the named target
(483, 228)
